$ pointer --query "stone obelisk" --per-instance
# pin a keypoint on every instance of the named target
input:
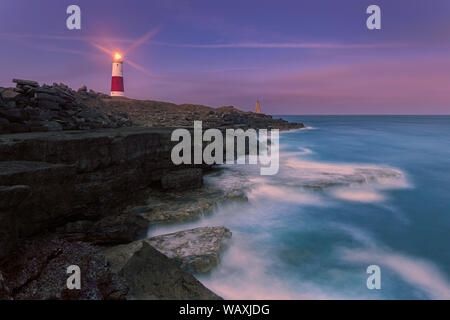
(257, 107)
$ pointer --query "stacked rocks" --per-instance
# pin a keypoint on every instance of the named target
(30, 107)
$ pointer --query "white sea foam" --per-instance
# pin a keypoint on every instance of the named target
(246, 273)
(283, 194)
(357, 195)
(248, 269)
(298, 178)
(350, 182)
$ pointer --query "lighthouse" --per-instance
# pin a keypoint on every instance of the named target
(117, 89)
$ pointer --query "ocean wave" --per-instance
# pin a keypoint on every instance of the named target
(350, 182)
(417, 272)
(299, 180)
(246, 273)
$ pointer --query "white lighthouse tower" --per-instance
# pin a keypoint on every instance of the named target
(117, 88)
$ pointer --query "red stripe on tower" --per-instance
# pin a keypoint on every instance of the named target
(117, 88)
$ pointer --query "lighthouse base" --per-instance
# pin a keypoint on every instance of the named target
(117, 94)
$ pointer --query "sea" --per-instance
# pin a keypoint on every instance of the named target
(352, 192)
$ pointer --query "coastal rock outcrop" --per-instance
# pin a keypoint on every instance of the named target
(181, 206)
(164, 114)
(72, 171)
(151, 275)
(79, 176)
(30, 107)
(196, 250)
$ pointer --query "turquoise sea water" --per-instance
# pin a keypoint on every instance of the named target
(352, 191)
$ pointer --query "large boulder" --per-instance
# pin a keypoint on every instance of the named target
(196, 250)
(22, 82)
(151, 275)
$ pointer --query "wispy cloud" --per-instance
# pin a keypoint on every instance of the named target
(66, 37)
(244, 45)
(231, 69)
(287, 45)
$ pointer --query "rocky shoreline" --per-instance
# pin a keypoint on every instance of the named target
(82, 178)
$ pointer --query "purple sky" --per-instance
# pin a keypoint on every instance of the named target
(296, 57)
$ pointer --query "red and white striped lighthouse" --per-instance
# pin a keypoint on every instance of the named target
(117, 89)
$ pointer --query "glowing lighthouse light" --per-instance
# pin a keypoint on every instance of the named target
(117, 89)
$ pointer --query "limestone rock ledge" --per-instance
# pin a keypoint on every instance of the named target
(48, 180)
(176, 206)
(195, 250)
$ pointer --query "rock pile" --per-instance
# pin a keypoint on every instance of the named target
(30, 107)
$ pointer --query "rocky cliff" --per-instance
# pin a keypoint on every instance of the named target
(52, 179)
(82, 176)
(66, 193)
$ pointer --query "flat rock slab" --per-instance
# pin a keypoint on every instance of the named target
(195, 250)
(89, 150)
(180, 206)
